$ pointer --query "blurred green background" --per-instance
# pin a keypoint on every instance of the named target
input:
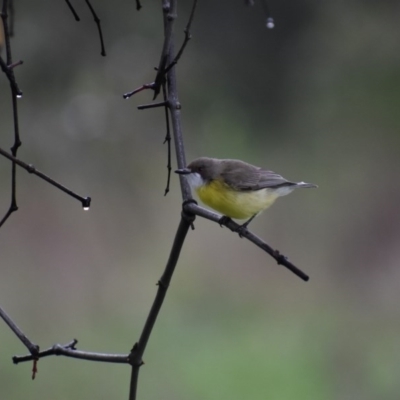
(315, 99)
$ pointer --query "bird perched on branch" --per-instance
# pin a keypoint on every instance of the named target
(235, 188)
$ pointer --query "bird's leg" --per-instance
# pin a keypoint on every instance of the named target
(242, 228)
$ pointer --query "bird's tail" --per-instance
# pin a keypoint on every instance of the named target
(306, 185)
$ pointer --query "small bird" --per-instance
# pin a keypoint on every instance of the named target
(235, 188)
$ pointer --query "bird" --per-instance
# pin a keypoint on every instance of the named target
(237, 189)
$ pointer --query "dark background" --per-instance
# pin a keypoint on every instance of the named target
(316, 99)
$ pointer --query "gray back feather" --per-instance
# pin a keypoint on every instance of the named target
(247, 177)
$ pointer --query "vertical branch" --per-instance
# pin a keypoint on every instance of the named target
(97, 21)
(170, 13)
(135, 358)
(15, 93)
(167, 139)
(12, 17)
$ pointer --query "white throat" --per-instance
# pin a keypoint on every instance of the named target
(195, 180)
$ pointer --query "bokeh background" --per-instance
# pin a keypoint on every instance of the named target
(315, 99)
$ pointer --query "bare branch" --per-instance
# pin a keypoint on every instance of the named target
(193, 208)
(162, 68)
(97, 20)
(170, 12)
(74, 13)
(32, 170)
(153, 105)
(32, 348)
(69, 350)
(135, 357)
(12, 17)
(126, 96)
(188, 36)
(8, 70)
(167, 140)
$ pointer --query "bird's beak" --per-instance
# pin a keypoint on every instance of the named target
(183, 171)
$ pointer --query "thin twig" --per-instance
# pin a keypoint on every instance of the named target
(152, 105)
(8, 71)
(138, 5)
(74, 13)
(8, 68)
(126, 96)
(188, 36)
(69, 350)
(32, 348)
(162, 68)
(32, 170)
(97, 20)
(167, 140)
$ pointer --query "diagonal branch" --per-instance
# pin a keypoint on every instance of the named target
(192, 208)
(135, 358)
(32, 348)
(32, 170)
(8, 70)
(72, 9)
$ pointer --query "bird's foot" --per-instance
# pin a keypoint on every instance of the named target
(241, 230)
(223, 220)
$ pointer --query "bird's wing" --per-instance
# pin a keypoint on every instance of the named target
(242, 176)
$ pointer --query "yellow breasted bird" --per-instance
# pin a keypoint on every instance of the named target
(235, 188)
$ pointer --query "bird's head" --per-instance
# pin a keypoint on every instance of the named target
(201, 171)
